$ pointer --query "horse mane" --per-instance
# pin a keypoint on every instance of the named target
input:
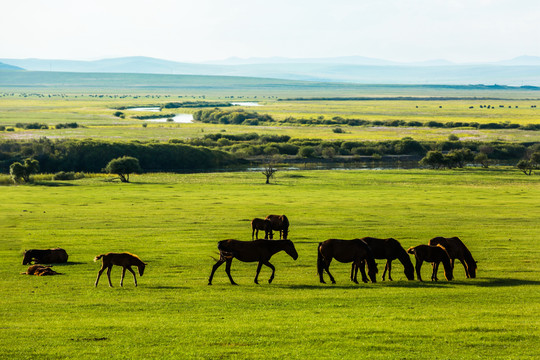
(402, 255)
(136, 258)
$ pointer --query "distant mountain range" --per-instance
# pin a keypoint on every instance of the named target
(523, 70)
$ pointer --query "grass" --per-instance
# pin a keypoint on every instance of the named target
(174, 221)
(95, 116)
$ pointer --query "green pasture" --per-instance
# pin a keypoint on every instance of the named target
(173, 222)
(96, 120)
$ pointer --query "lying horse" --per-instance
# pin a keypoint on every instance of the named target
(260, 224)
(40, 270)
(125, 260)
(251, 251)
(280, 223)
(434, 255)
(389, 249)
(345, 251)
(47, 256)
(457, 250)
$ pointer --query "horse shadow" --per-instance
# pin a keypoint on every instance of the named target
(499, 282)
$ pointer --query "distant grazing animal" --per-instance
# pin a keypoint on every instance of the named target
(389, 249)
(47, 256)
(280, 223)
(345, 251)
(125, 260)
(457, 250)
(40, 270)
(260, 224)
(251, 251)
(434, 255)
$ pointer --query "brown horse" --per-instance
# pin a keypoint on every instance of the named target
(125, 260)
(457, 250)
(280, 223)
(47, 256)
(434, 255)
(251, 251)
(40, 270)
(389, 249)
(345, 251)
(260, 224)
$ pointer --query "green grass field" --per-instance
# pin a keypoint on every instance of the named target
(174, 221)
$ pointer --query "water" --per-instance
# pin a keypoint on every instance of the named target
(151, 109)
(245, 104)
(178, 118)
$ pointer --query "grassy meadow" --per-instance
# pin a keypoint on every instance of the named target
(174, 221)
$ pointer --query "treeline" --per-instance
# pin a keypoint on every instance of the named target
(93, 155)
(38, 126)
(236, 117)
(337, 120)
(194, 104)
(253, 144)
(219, 150)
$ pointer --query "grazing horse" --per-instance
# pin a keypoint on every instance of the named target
(47, 256)
(260, 224)
(251, 251)
(457, 250)
(434, 255)
(389, 249)
(125, 260)
(345, 251)
(281, 223)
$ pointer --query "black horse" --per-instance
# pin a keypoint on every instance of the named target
(389, 249)
(251, 251)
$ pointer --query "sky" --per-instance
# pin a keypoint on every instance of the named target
(460, 31)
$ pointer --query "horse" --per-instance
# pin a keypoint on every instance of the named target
(251, 251)
(457, 250)
(281, 223)
(46, 256)
(389, 249)
(345, 251)
(260, 224)
(125, 260)
(40, 270)
(434, 255)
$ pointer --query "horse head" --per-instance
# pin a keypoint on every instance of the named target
(290, 249)
(27, 257)
(141, 268)
(471, 269)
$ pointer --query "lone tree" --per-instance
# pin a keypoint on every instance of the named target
(269, 171)
(21, 172)
(527, 166)
(123, 166)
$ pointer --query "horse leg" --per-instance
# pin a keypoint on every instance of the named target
(464, 266)
(133, 272)
(273, 271)
(259, 266)
(363, 271)
(418, 268)
(228, 270)
(327, 268)
(109, 275)
(99, 274)
(435, 266)
(123, 274)
(214, 268)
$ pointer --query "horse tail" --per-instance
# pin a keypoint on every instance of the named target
(98, 257)
(320, 260)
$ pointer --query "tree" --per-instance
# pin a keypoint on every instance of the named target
(269, 171)
(21, 172)
(433, 159)
(526, 166)
(482, 159)
(123, 166)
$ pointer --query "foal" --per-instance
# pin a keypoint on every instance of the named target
(125, 260)
(434, 255)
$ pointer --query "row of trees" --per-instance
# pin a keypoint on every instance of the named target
(236, 117)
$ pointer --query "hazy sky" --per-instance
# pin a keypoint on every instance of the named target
(198, 30)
